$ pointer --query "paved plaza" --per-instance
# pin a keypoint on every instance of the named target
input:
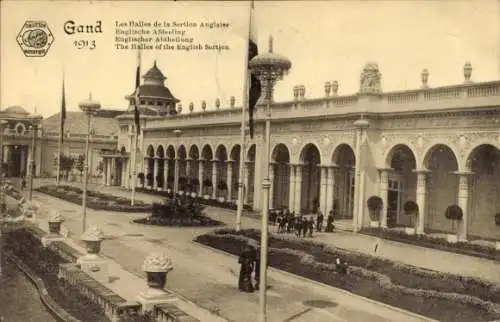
(209, 278)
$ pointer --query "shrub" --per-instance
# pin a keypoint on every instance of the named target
(374, 204)
(410, 208)
(454, 212)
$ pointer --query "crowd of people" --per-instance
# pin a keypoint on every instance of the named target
(300, 224)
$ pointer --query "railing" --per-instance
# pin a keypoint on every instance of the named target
(171, 313)
(113, 305)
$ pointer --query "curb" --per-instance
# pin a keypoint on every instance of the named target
(290, 275)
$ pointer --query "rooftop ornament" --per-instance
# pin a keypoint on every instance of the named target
(335, 88)
(467, 73)
(232, 101)
(217, 103)
(203, 106)
(425, 78)
(328, 88)
(370, 79)
(191, 107)
(179, 108)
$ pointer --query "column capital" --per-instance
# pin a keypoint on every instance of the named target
(230, 161)
(249, 162)
(385, 169)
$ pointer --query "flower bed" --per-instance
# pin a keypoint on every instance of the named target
(436, 243)
(95, 200)
(45, 264)
(201, 200)
(440, 296)
(182, 212)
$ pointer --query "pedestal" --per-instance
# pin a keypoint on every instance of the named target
(409, 230)
(374, 224)
(154, 296)
(95, 266)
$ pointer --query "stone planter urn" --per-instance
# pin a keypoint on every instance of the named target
(157, 266)
(374, 224)
(169, 190)
(93, 238)
(497, 245)
(55, 221)
(193, 194)
(206, 197)
(181, 192)
(221, 199)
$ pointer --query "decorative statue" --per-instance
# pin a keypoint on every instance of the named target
(370, 79)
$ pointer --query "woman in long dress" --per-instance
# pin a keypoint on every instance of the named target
(247, 264)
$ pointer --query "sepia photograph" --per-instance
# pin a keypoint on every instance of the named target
(243, 161)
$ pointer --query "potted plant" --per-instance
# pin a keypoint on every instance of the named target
(157, 266)
(195, 183)
(374, 204)
(222, 189)
(453, 213)
(92, 237)
(55, 221)
(170, 181)
(410, 208)
(141, 179)
(497, 222)
(207, 184)
(149, 178)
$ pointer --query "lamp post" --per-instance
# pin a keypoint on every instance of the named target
(2, 200)
(33, 128)
(268, 68)
(89, 107)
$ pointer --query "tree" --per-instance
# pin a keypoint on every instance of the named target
(66, 164)
(80, 163)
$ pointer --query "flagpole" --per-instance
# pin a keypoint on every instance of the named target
(133, 160)
(60, 138)
(241, 170)
(133, 150)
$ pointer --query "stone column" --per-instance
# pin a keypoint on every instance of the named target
(291, 195)
(229, 180)
(104, 171)
(271, 180)
(463, 202)
(108, 172)
(155, 171)
(383, 186)
(298, 187)
(201, 167)
(176, 175)
(323, 190)
(214, 179)
(330, 183)
(421, 194)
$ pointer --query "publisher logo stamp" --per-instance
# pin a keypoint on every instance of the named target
(35, 38)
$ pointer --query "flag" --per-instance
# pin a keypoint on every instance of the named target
(63, 112)
(255, 88)
(136, 99)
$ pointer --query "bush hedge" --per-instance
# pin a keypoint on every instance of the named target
(95, 200)
(201, 200)
(434, 294)
(45, 264)
(436, 243)
(185, 211)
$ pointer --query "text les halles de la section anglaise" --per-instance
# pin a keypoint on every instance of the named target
(165, 35)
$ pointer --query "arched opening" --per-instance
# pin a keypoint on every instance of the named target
(170, 163)
(401, 185)
(344, 181)
(281, 182)
(442, 187)
(221, 174)
(182, 167)
(150, 152)
(160, 155)
(250, 174)
(311, 178)
(207, 155)
(484, 198)
(194, 159)
(121, 172)
(235, 164)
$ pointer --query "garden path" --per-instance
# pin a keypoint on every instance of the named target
(209, 278)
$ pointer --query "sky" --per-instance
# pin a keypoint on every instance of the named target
(325, 41)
